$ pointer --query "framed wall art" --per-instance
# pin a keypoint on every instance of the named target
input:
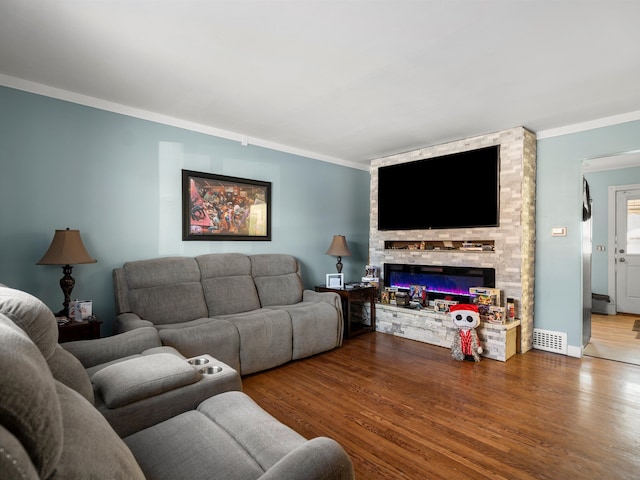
(218, 207)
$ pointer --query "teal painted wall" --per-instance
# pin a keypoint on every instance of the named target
(599, 183)
(558, 276)
(117, 180)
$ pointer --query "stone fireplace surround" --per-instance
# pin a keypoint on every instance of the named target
(513, 240)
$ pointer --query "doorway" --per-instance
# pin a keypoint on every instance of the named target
(614, 270)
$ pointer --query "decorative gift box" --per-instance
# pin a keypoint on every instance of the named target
(442, 306)
(494, 293)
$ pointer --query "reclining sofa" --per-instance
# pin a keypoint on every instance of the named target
(49, 428)
(248, 311)
(132, 379)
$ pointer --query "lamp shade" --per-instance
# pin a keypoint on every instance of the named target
(338, 247)
(66, 249)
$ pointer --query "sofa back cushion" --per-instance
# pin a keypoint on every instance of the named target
(50, 425)
(33, 316)
(277, 278)
(29, 409)
(162, 290)
(67, 369)
(227, 283)
(92, 448)
(39, 323)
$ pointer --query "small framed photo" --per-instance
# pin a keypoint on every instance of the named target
(335, 280)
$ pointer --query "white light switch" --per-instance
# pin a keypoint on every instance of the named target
(559, 232)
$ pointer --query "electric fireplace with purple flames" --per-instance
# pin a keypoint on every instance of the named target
(440, 281)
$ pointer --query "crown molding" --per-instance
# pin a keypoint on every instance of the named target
(245, 140)
(581, 127)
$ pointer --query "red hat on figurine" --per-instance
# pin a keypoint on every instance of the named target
(463, 306)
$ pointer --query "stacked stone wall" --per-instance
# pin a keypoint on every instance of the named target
(514, 238)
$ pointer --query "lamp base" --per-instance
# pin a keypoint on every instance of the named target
(339, 265)
(66, 284)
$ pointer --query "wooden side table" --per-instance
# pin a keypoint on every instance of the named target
(72, 330)
(349, 296)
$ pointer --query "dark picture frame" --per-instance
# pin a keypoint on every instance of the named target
(219, 207)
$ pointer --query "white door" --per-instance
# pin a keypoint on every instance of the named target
(627, 253)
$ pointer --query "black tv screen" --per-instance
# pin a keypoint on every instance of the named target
(460, 190)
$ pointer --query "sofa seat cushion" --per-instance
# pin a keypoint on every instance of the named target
(142, 377)
(266, 338)
(260, 434)
(317, 327)
(230, 437)
(190, 447)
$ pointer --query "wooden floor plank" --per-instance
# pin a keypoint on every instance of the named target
(406, 410)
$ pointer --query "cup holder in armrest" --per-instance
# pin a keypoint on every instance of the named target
(198, 361)
(208, 364)
(210, 370)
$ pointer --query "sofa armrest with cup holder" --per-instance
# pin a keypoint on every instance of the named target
(142, 391)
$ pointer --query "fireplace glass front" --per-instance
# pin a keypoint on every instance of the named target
(448, 282)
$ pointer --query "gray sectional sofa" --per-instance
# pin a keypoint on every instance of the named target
(50, 429)
(248, 311)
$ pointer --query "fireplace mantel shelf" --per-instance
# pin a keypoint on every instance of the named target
(475, 246)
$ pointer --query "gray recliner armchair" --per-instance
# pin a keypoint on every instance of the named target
(132, 379)
(48, 430)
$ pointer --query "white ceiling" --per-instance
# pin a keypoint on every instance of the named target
(346, 81)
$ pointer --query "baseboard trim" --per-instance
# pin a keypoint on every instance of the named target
(573, 351)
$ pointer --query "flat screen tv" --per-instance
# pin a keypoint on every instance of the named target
(460, 190)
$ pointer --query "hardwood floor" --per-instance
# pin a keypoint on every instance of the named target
(612, 338)
(406, 410)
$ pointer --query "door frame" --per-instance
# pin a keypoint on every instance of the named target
(611, 254)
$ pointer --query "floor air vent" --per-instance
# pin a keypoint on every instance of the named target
(550, 341)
